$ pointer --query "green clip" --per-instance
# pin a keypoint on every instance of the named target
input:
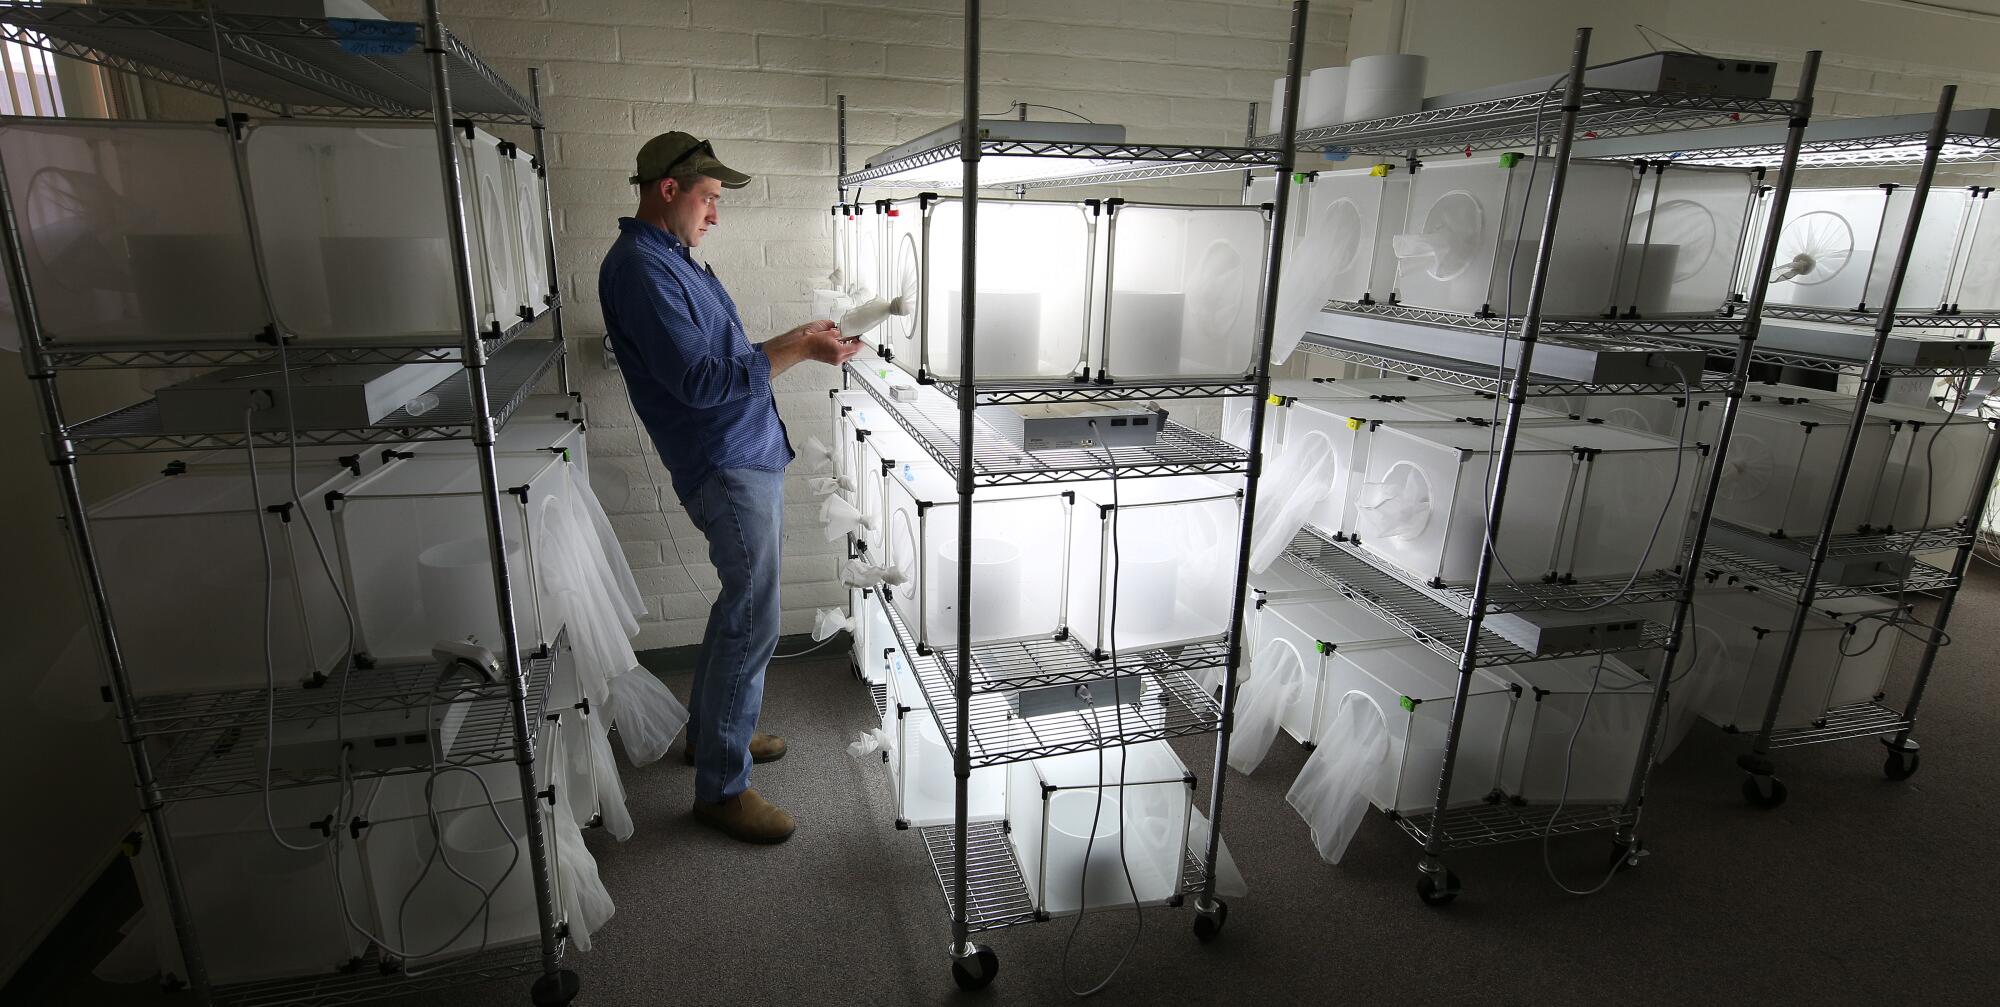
(1322, 646)
(1510, 159)
(1298, 178)
(1407, 704)
(566, 454)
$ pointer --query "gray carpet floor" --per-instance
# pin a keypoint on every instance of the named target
(1857, 890)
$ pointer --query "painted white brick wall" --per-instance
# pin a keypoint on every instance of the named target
(759, 77)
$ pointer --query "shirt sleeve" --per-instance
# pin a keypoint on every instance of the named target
(653, 307)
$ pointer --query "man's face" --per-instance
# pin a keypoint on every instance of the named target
(691, 211)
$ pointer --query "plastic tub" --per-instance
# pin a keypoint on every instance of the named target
(133, 232)
(1053, 804)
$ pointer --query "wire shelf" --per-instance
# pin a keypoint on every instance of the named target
(1036, 164)
(402, 686)
(1861, 544)
(1523, 597)
(1483, 377)
(1901, 320)
(1038, 662)
(1501, 822)
(1421, 617)
(511, 376)
(1735, 566)
(373, 978)
(1171, 705)
(1505, 123)
(1844, 723)
(1067, 390)
(228, 353)
(933, 421)
(288, 66)
(227, 756)
(1602, 328)
(1824, 363)
(996, 893)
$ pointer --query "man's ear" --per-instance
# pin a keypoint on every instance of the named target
(667, 188)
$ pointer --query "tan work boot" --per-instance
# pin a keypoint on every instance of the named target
(763, 748)
(748, 817)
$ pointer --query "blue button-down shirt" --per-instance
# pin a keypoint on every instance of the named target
(701, 389)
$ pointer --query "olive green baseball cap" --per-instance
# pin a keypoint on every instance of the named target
(679, 153)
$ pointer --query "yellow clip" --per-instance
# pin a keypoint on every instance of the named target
(1353, 423)
(1276, 400)
(1381, 170)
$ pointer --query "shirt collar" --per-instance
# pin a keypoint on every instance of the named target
(650, 232)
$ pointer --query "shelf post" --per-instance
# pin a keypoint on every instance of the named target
(840, 146)
(961, 756)
(60, 451)
(1758, 285)
(1758, 762)
(1431, 865)
(556, 985)
(554, 301)
(1267, 321)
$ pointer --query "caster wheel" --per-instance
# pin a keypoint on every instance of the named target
(1763, 791)
(556, 989)
(1208, 922)
(1901, 765)
(1625, 857)
(975, 971)
(1435, 894)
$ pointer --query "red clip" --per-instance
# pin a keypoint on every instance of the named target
(895, 213)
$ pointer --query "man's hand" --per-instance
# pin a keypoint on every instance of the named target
(818, 340)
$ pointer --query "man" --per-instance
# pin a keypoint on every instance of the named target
(703, 390)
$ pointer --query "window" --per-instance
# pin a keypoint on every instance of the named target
(31, 87)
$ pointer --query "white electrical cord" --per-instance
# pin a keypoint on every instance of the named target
(1097, 810)
(1569, 760)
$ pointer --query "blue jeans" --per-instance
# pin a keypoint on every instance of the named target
(742, 513)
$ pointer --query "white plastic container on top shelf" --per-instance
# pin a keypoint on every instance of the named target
(419, 570)
(1035, 263)
(1421, 503)
(185, 572)
(920, 765)
(1837, 247)
(1576, 730)
(1412, 689)
(133, 232)
(351, 220)
(1157, 567)
(1933, 463)
(1465, 220)
(263, 911)
(1183, 290)
(1348, 217)
(1316, 630)
(1780, 467)
(1685, 240)
(1749, 629)
(1054, 802)
(1019, 555)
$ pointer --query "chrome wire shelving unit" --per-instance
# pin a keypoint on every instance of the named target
(1532, 355)
(975, 691)
(1898, 143)
(192, 746)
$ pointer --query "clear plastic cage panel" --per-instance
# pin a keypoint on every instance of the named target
(1070, 820)
(1627, 503)
(531, 219)
(1412, 689)
(1347, 217)
(1465, 228)
(185, 573)
(1154, 567)
(920, 765)
(1746, 634)
(1317, 630)
(261, 911)
(1019, 556)
(1975, 283)
(1420, 502)
(419, 566)
(420, 905)
(133, 232)
(1837, 247)
(1933, 259)
(1034, 268)
(493, 222)
(1183, 291)
(1779, 471)
(860, 233)
(1576, 731)
(1933, 472)
(1685, 241)
(352, 223)
(1868, 651)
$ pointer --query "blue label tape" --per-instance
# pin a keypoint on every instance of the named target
(375, 38)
